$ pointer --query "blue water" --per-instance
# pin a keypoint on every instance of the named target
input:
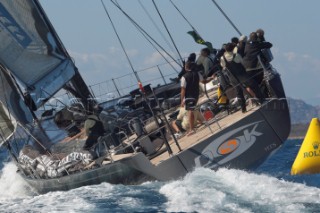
(270, 188)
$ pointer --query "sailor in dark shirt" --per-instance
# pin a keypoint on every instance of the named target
(260, 35)
(191, 58)
(190, 91)
(250, 60)
(94, 129)
(231, 63)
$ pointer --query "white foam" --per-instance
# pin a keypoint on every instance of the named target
(71, 201)
(200, 191)
(16, 195)
(129, 203)
(12, 184)
(236, 191)
(15, 198)
(61, 201)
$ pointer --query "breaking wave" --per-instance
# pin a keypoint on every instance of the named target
(203, 190)
(269, 189)
(11, 184)
(238, 191)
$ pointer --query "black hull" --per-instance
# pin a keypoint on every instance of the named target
(115, 173)
(258, 135)
(244, 144)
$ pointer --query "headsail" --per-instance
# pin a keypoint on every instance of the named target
(31, 50)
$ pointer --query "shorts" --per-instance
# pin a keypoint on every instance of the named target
(179, 125)
(190, 103)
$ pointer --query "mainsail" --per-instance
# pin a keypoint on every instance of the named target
(31, 50)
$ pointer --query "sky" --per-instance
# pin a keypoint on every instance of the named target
(290, 25)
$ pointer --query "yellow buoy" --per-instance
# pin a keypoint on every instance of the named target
(308, 157)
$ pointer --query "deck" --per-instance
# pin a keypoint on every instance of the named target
(204, 131)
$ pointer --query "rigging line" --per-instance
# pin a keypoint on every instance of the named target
(225, 15)
(148, 38)
(156, 26)
(145, 36)
(120, 41)
(35, 139)
(144, 32)
(142, 88)
(175, 6)
(128, 74)
(164, 24)
(162, 55)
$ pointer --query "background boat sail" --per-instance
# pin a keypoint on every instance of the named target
(35, 66)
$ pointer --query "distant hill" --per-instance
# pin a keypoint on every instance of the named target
(301, 114)
(298, 131)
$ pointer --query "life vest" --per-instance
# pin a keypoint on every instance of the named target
(93, 126)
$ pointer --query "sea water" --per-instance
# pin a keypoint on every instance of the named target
(270, 188)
